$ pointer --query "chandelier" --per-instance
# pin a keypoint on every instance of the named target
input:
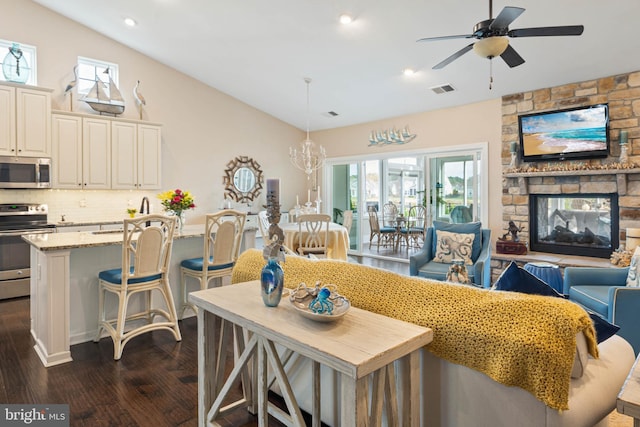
(391, 136)
(308, 157)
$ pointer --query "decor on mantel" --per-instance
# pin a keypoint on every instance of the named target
(624, 151)
(391, 136)
(621, 257)
(175, 202)
(99, 101)
(566, 167)
(308, 157)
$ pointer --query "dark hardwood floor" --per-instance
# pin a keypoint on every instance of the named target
(154, 384)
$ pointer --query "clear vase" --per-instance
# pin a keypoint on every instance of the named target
(180, 219)
(272, 283)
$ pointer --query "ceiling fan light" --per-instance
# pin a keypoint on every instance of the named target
(491, 46)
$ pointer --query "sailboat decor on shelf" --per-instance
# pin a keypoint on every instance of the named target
(103, 103)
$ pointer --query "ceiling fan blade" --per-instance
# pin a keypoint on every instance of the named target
(430, 39)
(506, 16)
(453, 57)
(568, 30)
(511, 57)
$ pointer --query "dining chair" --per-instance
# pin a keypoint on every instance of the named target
(313, 234)
(222, 237)
(384, 235)
(389, 214)
(347, 220)
(146, 252)
(417, 227)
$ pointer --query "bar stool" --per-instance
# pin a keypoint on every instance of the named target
(146, 251)
(222, 238)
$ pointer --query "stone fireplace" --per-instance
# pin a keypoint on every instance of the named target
(575, 188)
(575, 224)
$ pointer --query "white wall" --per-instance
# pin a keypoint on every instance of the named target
(203, 129)
(468, 124)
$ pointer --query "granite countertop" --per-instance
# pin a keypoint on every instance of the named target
(85, 223)
(88, 239)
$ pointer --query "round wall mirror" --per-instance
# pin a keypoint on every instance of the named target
(243, 179)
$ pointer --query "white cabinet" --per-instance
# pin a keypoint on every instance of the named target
(135, 156)
(81, 152)
(25, 121)
(96, 153)
(101, 153)
(67, 151)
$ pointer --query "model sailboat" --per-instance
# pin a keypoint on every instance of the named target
(99, 101)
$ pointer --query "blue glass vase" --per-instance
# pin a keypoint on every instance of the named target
(272, 281)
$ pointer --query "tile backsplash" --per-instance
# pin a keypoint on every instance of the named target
(84, 205)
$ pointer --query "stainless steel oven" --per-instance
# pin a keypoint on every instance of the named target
(17, 220)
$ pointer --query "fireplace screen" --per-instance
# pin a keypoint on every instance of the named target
(576, 224)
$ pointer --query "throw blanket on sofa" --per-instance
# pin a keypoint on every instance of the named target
(519, 340)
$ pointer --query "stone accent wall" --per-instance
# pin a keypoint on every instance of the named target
(622, 93)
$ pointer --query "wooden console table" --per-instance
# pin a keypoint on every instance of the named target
(629, 398)
(359, 345)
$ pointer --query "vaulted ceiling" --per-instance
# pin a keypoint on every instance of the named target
(260, 51)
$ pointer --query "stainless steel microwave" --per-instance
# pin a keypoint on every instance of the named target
(25, 172)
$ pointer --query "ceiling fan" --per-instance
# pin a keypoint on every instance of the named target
(493, 37)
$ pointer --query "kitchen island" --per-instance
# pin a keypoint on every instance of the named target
(64, 283)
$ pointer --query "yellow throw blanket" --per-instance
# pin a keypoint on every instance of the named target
(527, 341)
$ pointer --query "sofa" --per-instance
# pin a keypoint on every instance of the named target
(604, 291)
(497, 358)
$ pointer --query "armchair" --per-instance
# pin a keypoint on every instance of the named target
(604, 291)
(422, 263)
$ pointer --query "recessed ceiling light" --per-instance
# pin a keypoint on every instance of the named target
(130, 22)
(408, 71)
(346, 19)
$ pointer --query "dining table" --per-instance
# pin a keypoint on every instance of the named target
(337, 243)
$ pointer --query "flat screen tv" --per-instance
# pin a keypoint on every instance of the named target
(575, 133)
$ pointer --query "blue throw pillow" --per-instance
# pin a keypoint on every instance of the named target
(604, 329)
(517, 279)
(466, 228)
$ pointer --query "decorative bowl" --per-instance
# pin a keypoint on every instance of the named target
(303, 296)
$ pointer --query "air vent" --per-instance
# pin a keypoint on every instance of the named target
(443, 88)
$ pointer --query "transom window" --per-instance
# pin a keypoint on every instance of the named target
(91, 70)
(28, 56)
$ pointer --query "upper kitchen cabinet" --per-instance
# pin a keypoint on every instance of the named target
(25, 121)
(95, 152)
(81, 152)
(135, 156)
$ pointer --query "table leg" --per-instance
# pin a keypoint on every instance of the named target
(410, 389)
(208, 327)
(354, 395)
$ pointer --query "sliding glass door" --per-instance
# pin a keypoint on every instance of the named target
(451, 185)
(455, 187)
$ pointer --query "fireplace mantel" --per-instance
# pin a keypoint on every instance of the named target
(620, 174)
